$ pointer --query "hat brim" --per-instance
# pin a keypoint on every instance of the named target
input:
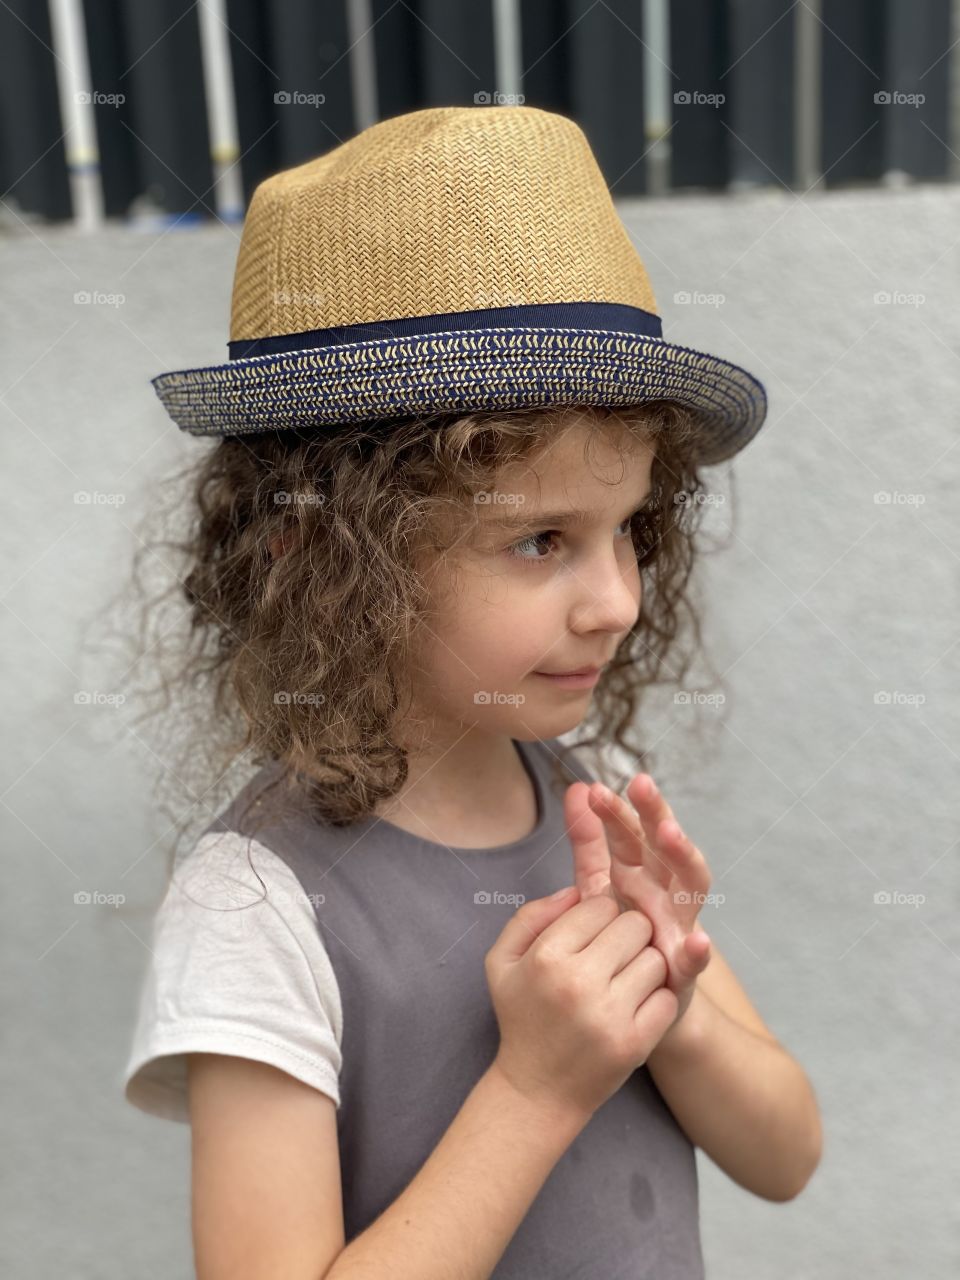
(462, 370)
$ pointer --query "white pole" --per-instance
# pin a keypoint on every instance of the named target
(657, 94)
(363, 66)
(221, 110)
(806, 94)
(77, 97)
(508, 69)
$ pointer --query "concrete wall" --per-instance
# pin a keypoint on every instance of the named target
(807, 795)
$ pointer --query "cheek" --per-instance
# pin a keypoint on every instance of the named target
(493, 631)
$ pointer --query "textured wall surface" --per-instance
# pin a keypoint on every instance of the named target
(828, 776)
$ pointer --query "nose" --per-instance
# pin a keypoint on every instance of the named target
(608, 597)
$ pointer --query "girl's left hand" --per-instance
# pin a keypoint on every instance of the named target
(638, 854)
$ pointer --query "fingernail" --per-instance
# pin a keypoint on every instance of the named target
(561, 892)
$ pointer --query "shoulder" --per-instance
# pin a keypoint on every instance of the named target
(237, 966)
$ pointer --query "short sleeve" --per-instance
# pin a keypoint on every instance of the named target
(238, 966)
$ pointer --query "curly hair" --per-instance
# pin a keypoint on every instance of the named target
(302, 566)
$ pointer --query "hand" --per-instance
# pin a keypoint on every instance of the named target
(638, 854)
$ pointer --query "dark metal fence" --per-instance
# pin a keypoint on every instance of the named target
(191, 105)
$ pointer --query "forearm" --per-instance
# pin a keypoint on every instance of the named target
(460, 1212)
(741, 1098)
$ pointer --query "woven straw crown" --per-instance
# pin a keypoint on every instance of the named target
(450, 209)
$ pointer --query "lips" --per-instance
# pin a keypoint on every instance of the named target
(581, 671)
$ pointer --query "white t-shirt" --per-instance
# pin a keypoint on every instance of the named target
(238, 967)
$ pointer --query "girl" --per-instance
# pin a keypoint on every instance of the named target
(432, 999)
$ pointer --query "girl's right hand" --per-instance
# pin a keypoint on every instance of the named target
(579, 998)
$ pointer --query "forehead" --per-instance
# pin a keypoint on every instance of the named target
(581, 473)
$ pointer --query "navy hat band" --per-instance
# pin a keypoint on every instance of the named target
(612, 317)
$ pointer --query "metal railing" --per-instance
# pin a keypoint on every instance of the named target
(176, 109)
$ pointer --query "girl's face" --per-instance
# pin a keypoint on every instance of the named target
(549, 583)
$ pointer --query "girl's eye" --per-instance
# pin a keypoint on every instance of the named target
(535, 540)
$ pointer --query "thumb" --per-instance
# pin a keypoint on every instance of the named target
(529, 921)
(695, 954)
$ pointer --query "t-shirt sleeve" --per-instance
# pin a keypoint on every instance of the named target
(238, 966)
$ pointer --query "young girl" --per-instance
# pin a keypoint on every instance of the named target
(449, 518)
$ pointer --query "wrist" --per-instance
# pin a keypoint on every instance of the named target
(684, 1037)
(547, 1112)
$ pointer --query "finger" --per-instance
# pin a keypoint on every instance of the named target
(689, 864)
(651, 810)
(625, 834)
(649, 800)
(591, 856)
(643, 972)
(667, 836)
(530, 920)
(625, 937)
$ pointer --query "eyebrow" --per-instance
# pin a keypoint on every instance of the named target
(540, 519)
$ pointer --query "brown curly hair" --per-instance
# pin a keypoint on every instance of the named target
(302, 562)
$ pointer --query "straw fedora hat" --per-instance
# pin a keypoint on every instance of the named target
(453, 258)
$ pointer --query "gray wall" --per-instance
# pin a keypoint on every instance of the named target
(807, 795)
